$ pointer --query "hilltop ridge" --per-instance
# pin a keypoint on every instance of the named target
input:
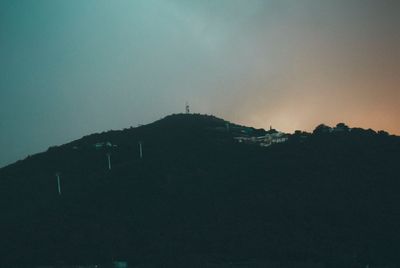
(204, 190)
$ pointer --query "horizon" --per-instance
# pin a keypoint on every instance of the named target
(139, 125)
(70, 69)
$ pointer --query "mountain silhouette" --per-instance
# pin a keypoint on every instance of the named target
(195, 189)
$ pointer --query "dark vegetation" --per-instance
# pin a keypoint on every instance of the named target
(198, 196)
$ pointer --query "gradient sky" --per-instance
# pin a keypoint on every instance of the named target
(71, 68)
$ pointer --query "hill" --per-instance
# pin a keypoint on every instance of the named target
(198, 194)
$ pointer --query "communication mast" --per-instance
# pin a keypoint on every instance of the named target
(187, 108)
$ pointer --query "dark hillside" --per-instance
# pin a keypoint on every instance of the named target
(198, 195)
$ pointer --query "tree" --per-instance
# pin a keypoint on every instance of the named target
(320, 129)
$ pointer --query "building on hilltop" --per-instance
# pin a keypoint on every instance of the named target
(272, 137)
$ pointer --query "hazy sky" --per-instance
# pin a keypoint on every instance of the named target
(73, 67)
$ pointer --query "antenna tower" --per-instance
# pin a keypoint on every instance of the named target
(187, 108)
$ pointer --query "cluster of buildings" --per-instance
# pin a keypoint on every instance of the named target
(271, 137)
(101, 145)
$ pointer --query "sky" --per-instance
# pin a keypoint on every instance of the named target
(72, 68)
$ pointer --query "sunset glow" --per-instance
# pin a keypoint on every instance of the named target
(71, 68)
